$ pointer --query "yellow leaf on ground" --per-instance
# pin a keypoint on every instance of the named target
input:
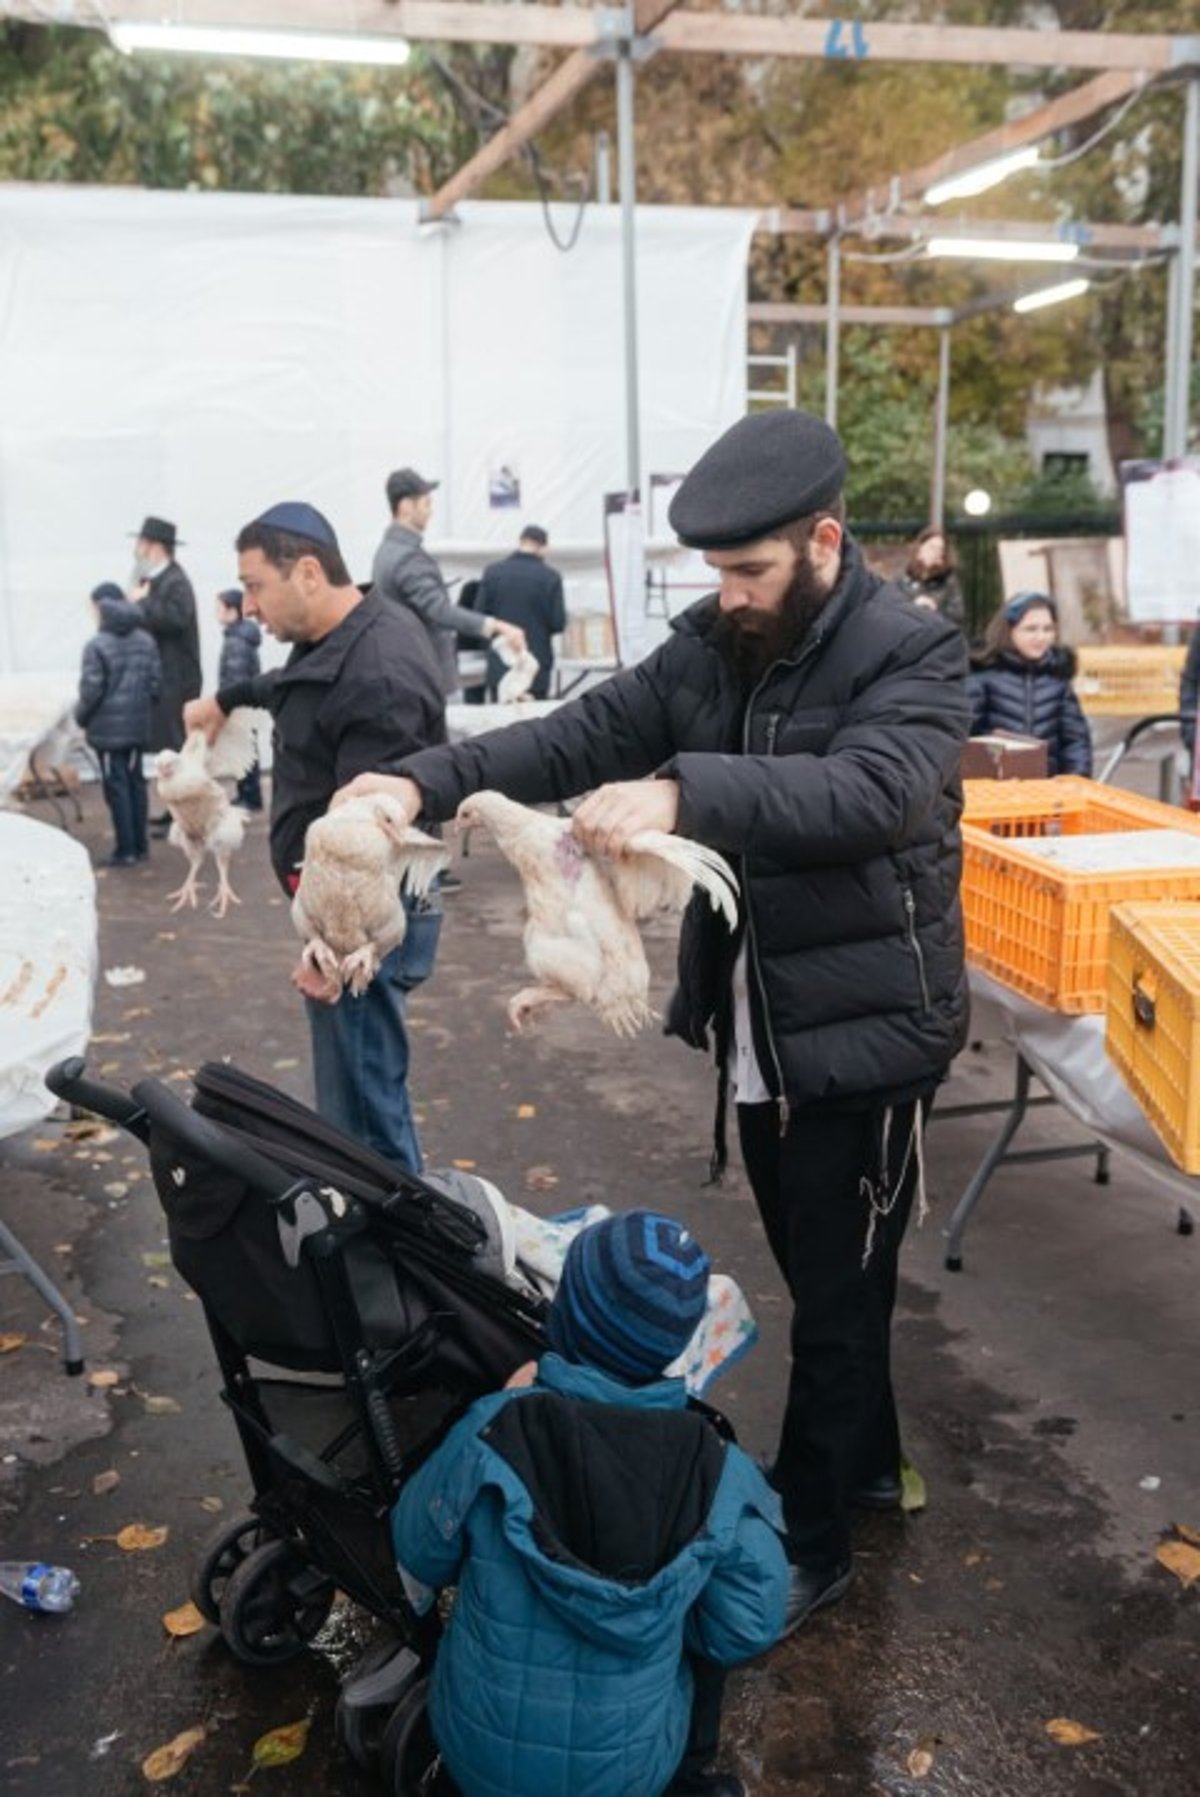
(1186, 1534)
(464, 1166)
(89, 1129)
(186, 1620)
(106, 1482)
(138, 1537)
(1070, 1734)
(171, 1758)
(540, 1179)
(913, 1495)
(1181, 1558)
(154, 1406)
(526, 1110)
(44, 1144)
(9, 1343)
(103, 1376)
(212, 1504)
(281, 1745)
(920, 1761)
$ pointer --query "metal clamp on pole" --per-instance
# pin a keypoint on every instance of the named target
(617, 34)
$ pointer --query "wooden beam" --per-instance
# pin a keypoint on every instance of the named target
(771, 312)
(549, 99)
(844, 40)
(1130, 239)
(1057, 115)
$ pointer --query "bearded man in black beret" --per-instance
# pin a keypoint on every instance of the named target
(805, 720)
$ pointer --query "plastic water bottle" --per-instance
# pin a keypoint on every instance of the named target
(37, 1586)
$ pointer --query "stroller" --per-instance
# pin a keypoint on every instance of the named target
(356, 1310)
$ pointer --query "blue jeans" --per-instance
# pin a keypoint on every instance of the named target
(360, 1046)
(125, 796)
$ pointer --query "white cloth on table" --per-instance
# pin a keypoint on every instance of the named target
(48, 953)
(32, 708)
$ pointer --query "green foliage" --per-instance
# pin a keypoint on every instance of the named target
(73, 109)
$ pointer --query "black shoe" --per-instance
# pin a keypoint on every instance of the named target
(883, 1493)
(119, 861)
(706, 1784)
(814, 1588)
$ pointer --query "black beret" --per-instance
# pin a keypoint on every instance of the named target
(766, 471)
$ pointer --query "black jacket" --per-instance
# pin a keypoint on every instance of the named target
(1189, 689)
(239, 652)
(835, 793)
(169, 613)
(119, 681)
(943, 589)
(523, 590)
(362, 698)
(1034, 699)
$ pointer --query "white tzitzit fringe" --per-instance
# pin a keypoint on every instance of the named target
(881, 1202)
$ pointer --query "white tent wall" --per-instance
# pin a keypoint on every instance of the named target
(200, 356)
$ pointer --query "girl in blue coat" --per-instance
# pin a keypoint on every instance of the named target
(611, 1551)
(1022, 683)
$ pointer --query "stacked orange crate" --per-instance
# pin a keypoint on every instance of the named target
(1153, 1018)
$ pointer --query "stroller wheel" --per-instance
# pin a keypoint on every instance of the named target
(273, 1605)
(223, 1552)
(409, 1761)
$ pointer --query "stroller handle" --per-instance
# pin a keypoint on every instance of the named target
(210, 1141)
(66, 1080)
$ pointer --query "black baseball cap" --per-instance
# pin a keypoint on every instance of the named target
(406, 483)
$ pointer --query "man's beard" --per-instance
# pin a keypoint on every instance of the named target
(752, 642)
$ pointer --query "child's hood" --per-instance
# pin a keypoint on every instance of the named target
(118, 616)
(246, 630)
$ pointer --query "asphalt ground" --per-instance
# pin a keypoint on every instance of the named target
(1048, 1393)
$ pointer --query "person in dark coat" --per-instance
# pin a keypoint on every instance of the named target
(240, 639)
(1022, 683)
(1189, 693)
(118, 686)
(931, 577)
(523, 589)
(611, 1552)
(360, 689)
(806, 722)
(167, 603)
(406, 573)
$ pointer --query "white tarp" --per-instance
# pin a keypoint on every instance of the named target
(200, 356)
(47, 962)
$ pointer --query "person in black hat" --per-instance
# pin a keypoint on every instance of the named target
(167, 607)
(404, 571)
(524, 589)
(612, 1552)
(806, 721)
(359, 690)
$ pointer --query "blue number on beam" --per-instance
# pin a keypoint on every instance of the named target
(836, 46)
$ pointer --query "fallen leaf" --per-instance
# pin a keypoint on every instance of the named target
(156, 1406)
(103, 1377)
(156, 1257)
(287, 1061)
(1181, 1558)
(464, 1166)
(106, 1481)
(212, 1504)
(920, 1761)
(913, 1495)
(167, 1760)
(1186, 1534)
(526, 1110)
(124, 976)
(64, 1248)
(281, 1745)
(166, 935)
(973, 1559)
(116, 1188)
(159, 1281)
(186, 1620)
(540, 1179)
(89, 1129)
(10, 1343)
(44, 1144)
(139, 1537)
(135, 1011)
(1070, 1734)
(112, 1036)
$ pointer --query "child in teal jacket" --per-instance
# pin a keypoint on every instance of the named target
(611, 1550)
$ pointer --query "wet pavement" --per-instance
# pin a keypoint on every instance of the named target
(1048, 1393)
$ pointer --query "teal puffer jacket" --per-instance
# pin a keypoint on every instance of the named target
(564, 1669)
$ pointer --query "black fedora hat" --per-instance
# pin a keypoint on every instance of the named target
(158, 530)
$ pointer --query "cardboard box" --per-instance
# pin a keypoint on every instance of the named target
(1003, 756)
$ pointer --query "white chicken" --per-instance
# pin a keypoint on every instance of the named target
(203, 821)
(348, 908)
(521, 670)
(581, 933)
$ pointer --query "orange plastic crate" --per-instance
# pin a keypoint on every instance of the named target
(1152, 1028)
(1128, 680)
(1043, 929)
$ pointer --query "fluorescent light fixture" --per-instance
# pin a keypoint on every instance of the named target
(981, 177)
(295, 46)
(1050, 296)
(1003, 249)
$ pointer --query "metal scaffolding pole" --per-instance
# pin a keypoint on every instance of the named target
(832, 328)
(1177, 421)
(627, 182)
(937, 485)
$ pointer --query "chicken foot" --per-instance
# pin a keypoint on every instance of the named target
(524, 1006)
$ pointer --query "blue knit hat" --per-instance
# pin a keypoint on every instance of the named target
(1020, 603)
(632, 1291)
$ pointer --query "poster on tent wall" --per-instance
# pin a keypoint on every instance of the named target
(634, 630)
(1162, 540)
(297, 347)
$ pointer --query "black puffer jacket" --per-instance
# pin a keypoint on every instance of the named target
(1034, 698)
(239, 652)
(834, 791)
(120, 679)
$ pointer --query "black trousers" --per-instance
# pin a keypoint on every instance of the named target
(125, 795)
(814, 1189)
